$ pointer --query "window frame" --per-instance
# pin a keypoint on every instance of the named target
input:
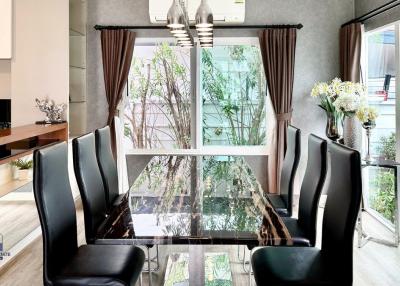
(196, 125)
(364, 77)
(364, 72)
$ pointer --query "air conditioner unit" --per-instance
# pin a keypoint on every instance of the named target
(224, 11)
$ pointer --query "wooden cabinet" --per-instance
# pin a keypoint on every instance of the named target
(6, 16)
(21, 141)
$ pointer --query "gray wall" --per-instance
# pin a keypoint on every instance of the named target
(316, 59)
(364, 6)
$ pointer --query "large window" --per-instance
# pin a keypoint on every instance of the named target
(233, 96)
(381, 82)
(196, 99)
(380, 67)
(157, 112)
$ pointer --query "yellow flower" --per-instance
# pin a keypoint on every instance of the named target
(366, 113)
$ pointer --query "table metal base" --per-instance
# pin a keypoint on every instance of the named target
(364, 238)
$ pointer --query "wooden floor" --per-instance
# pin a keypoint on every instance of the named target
(374, 264)
(17, 220)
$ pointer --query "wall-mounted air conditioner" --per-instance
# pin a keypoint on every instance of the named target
(224, 11)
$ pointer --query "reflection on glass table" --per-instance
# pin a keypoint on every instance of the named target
(196, 200)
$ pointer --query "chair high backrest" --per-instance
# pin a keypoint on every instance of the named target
(56, 208)
(90, 184)
(312, 186)
(341, 209)
(289, 167)
(107, 164)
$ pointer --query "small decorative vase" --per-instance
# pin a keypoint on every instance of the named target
(368, 126)
(352, 132)
(333, 130)
(23, 175)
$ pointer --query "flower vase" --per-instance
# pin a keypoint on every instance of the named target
(333, 124)
(368, 126)
(352, 132)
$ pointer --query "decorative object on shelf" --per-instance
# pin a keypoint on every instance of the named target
(23, 172)
(54, 112)
(178, 22)
(367, 116)
(340, 100)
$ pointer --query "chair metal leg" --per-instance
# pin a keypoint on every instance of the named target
(155, 259)
(250, 269)
(141, 279)
(245, 262)
(238, 253)
(149, 266)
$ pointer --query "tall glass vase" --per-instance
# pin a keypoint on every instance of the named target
(352, 131)
(333, 126)
(368, 126)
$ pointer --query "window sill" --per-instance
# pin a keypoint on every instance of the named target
(208, 151)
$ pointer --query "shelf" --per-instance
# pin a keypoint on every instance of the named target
(22, 141)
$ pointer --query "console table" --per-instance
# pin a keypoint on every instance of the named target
(21, 141)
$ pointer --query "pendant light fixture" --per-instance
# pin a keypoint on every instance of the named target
(178, 22)
(175, 16)
(204, 24)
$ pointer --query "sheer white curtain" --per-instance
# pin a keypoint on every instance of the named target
(123, 184)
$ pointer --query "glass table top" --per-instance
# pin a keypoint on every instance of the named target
(195, 200)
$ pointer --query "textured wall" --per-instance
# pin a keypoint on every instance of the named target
(364, 6)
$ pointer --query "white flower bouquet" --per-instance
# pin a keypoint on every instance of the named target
(338, 97)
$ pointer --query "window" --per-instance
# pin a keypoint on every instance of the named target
(233, 93)
(201, 99)
(381, 65)
(381, 82)
(157, 112)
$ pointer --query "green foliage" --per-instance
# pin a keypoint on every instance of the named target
(383, 195)
(22, 164)
(238, 97)
(387, 147)
(160, 87)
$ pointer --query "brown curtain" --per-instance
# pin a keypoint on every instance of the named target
(117, 50)
(278, 49)
(350, 52)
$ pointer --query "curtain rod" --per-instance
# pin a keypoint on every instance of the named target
(159, 27)
(375, 12)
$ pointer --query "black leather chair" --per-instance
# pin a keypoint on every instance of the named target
(108, 167)
(64, 263)
(90, 184)
(283, 203)
(333, 264)
(303, 229)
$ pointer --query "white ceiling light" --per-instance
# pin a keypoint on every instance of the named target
(178, 31)
(175, 16)
(202, 34)
(204, 20)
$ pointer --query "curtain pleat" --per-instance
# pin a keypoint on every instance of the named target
(278, 50)
(350, 52)
(117, 51)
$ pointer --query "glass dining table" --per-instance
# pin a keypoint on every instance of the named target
(195, 200)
